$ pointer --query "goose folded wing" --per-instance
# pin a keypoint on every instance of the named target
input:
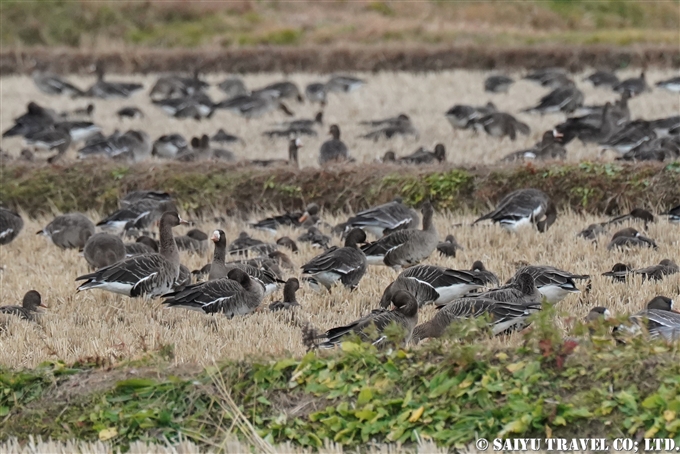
(210, 297)
(387, 243)
(390, 216)
(332, 260)
(380, 318)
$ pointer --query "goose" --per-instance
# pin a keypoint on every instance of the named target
(315, 237)
(629, 136)
(633, 85)
(498, 84)
(501, 124)
(658, 149)
(52, 84)
(343, 84)
(293, 146)
(169, 146)
(345, 265)
(385, 219)
(629, 237)
(405, 248)
(420, 156)
(546, 76)
(462, 116)
(236, 294)
(103, 249)
(69, 231)
(281, 90)
(449, 247)
(620, 271)
(636, 214)
(592, 113)
(233, 86)
(253, 106)
(390, 127)
(566, 98)
(659, 318)
(130, 112)
(503, 316)
(598, 313)
(589, 130)
(289, 299)
(36, 119)
(554, 284)
(50, 139)
(523, 207)
(488, 277)
(602, 78)
(133, 144)
(298, 127)
(672, 84)
(550, 147)
(137, 215)
(316, 92)
(147, 275)
(592, 232)
(294, 219)
(433, 284)
(11, 224)
(333, 150)
(674, 214)
(520, 290)
(109, 90)
(404, 314)
(175, 86)
(29, 306)
(282, 260)
(245, 244)
(287, 242)
(197, 106)
(143, 245)
(194, 241)
(221, 136)
(666, 126)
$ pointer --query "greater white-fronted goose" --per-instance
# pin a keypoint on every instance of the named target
(554, 284)
(333, 150)
(501, 124)
(521, 290)
(29, 306)
(169, 146)
(175, 86)
(633, 85)
(345, 265)
(293, 146)
(659, 149)
(498, 84)
(295, 219)
(405, 248)
(69, 231)
(462, 116)
(222, 136)
(298, 127)
(245, 244)
(316, 92)
(315, 237)
(52, 84)
(36, 119)
(109, 90)
(236, 294)
(449, 246)
(195, 241)
(55, 137)
(566, 98)
(602, 78)
(343, 84)
(659, 318)
(630, 237)
(636, 214)
(421, 156)
(133, 145)
(504, 316)
(434, 284)
(139, 215)
(674, 214)
(546, 76)
(404, 314)
(488, 277)
(281, 90)
(287, 242)
(142, 245)
(130, 112)
(146, 275)
(134, 197)
(10, 225)
(598, 313)
(592, 232)
(590, 128)
(289, 300)
(621, 271)
(523, 207)
(390, 127)
(629, 136)
(103, 249)
(197, 106)
(233, 86)
(672, 84)
(550, 147)
(385, 219)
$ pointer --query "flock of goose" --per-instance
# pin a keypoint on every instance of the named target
(608, 126)
(242, 273)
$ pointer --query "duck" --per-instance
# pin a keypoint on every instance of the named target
(501, 124)
(434, 284)
(293, 146)
(488, 277)
(420, 156)
(345, 265)
(462, 116)
(674, 214)
(602, 78)
(333, 150)
(169, 146)
(103, 249)
(294, 219)
(233, 86)
(390, 127)
(630, 237)
(236, 294)
(29, 306)
(672, 84)
(448, 247)
(289, 300)
(659, 318)
(554, 284)
(109, 90)
(339, 83)
(51, 84)
(315, 237)
(147, 275)
(523, 207)
(566, 98)
(633, 85)
(69, 231)
(194, 241)
(498, 83)
(138, 214)
(36, 119)
(404, 314)
(550, 147)
(11, 224)
(620, 271)
(405, 248)
(384, 219)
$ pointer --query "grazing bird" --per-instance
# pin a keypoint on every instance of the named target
(69, 231)
(554, 284)
(405, 248)
(501, 124)
(420, 156)
(633, 85)
(52, 84)
(169, 146)
(137, 213)
(11, 224)
(29, 306)
(566, 98)
(333, 150)
(666, 267)
(550, 147)
(619, 272)
(404, 314)
(385, 219)
(523, 207)
(36, 119)
(390, 127)
(630, 237)
(636, 214)
(629, 136)
(130, 112)
(602, 78)
(498, 84)
(109, 90)
(103, 249)
(236, 294)
(147, 275)
(134, 145)
(233, 86)
(345, 265)
(449, 247)
(315, 237)
(659, 318)
(289, 299)
(343, 84)
(462, 116)
(281, 90)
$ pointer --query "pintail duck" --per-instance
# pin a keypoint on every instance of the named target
(315, 237)
(345, 265)
(620, 271)
(488, 277)
(523, 207)
(236, 294)
(343, 84)
(316, 92)
(498, 84)
(672, 84)
(289, 299)
(462, 116)
(390, 127)
(385, 219)
(130, 112)
(29, 306)
(169, 146)
(138, 214)
(633, 85)
(550, 147)
(602, 78)
(233, 86)
(293, 146)
(52, 84)
(333, 150)
(566, 98)
(420, 156)
(501, 124)
(69, 231)
(148, 275)
(11, 224)
(404, 314)
(103, 249)
(109, 90)
(36, 119)
(133, 145)
(449, 247)
(295, 219)
(194, 241)
(434, 284)
(405, 248)
(674, 214)
(554, 284)
(659, 318)
(629, 237)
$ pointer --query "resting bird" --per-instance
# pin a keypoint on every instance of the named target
(385, 219)
(11, 224)
(449, 246)
(629, 237)
(554, 284)
(29, 306)
(566, 98)
(289, 299)
(346, 265)
(523, 207)
(659, 318)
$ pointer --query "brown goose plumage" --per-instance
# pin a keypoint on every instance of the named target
(103, 249)
(346, 265)
(69, 231)
(10, 225)
(29, 306)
